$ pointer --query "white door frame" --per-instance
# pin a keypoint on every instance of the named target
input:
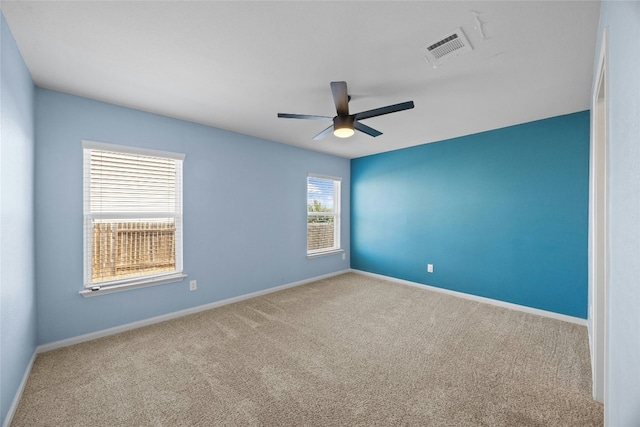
(598, 226)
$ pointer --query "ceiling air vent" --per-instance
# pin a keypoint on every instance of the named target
(447, 47)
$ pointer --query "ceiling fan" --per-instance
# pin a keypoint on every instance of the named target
(345, 124)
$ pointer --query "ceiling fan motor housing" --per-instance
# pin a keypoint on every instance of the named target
(343, 126)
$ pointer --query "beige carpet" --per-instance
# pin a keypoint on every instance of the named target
(349, 350)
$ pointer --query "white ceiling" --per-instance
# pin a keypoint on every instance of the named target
(235, 65)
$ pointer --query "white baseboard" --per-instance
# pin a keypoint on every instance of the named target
(544, 313)
(16, 399)
(150, 321)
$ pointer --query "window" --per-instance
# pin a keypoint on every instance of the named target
(132, 216)
(323, 214)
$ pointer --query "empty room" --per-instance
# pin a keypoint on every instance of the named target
(319, 213)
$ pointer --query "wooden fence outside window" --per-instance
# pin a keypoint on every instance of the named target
(126, 249)
(319, 235)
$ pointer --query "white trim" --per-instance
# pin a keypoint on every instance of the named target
(133, 215)
(94, 145)
(119, 286)
(332, 213)
(316, 175)
(511, 306)
(150, 321)
(324, 253)
(16, 398)
(598, 227)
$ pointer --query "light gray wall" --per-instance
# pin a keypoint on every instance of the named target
(244, 213)
(17, 279)
(622, 405)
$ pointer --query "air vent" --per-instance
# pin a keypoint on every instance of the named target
(448, 47)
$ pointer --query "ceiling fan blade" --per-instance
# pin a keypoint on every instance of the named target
(302, 116)
(324, 133)
(384, 110)
(340, 97)
(366, 129)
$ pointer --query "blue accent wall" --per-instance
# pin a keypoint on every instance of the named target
(17, 279)
(244, 213)
(501, 214)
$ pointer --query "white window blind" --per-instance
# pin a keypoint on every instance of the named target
(323, 214)
(132, 214)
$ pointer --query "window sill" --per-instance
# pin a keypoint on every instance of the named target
(133, 284)
(324, 253)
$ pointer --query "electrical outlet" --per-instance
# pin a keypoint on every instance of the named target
(429, 268)
(344, 256)
(193, 285)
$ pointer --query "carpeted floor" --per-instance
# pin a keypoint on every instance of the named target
(350, 350)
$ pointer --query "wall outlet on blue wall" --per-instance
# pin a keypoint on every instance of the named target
(429, 268)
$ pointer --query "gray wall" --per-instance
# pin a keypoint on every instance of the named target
(244, 211)
(622, 405)
(17, 280)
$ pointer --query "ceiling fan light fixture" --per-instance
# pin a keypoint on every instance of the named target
(343, 132)
(343, 126)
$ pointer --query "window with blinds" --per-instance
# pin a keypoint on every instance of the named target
(323, 214)
(132, 214)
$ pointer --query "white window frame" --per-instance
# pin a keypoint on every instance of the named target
(336, 214)
(92, 288)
